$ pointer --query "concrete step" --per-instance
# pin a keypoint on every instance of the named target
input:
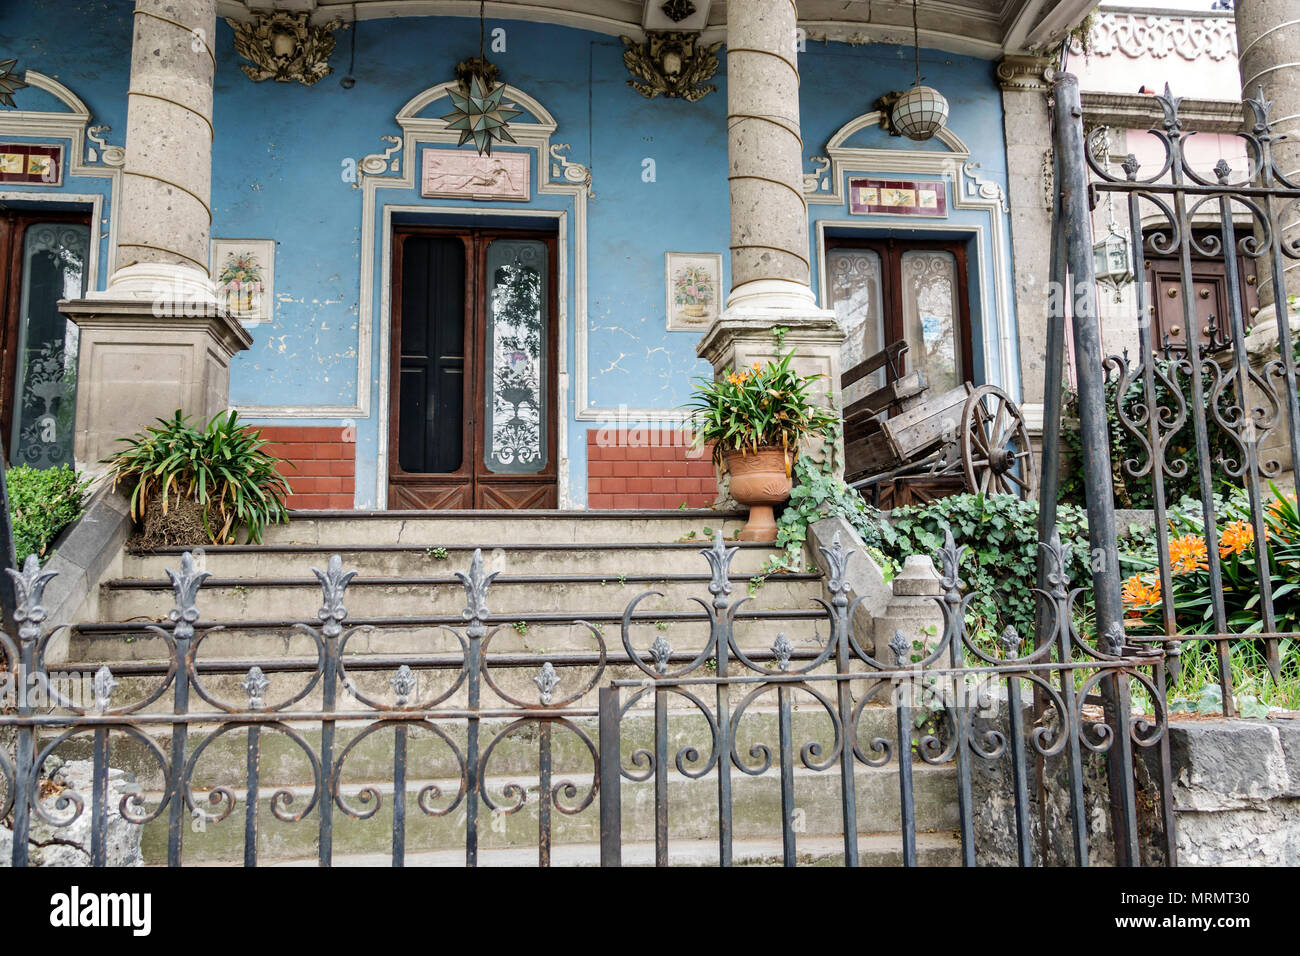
(692, 814)
(426, 529)
(392, 560)
(299, 598)
(874, 850)
(283, 763)
(371, 676)
(547, 634)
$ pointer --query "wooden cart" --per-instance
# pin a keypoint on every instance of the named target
(970, 438)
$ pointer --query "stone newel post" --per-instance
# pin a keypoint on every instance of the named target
(770, 252)
(155, 339)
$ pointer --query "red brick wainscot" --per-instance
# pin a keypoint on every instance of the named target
(647, 468)
(320, 464)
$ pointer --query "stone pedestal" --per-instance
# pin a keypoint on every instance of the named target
(913, 611)
(136, 366)
(739, 338)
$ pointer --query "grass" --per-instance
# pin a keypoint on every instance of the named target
(1251, 678)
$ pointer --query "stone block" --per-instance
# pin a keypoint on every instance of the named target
(141, 360)
(69, 845)
(864, 577)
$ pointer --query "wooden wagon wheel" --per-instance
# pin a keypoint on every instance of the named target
(996, 453)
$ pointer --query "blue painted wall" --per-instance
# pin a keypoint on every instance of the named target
(281, 151)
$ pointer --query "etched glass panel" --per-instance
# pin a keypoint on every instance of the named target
(854, 280)
(54, 268)
(517, 332)
(930, 317)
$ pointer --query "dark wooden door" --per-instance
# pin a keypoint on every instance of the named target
(43, 258)
(1210, 305)
(473, 408)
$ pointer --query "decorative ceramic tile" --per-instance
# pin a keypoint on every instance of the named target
(31, 164)
(694, 287)
(243, 271)
(893, 197)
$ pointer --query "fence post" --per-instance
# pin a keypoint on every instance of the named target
(1076, 223)
(8, 557)
(611, 808)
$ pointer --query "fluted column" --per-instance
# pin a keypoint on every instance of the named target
(166, 214)
(769, 216)
(1268, 55)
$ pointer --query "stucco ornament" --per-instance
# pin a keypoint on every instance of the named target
(671, 64)
(9, 82)
(284, 46)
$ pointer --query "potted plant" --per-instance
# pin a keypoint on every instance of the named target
(192, 484)
(755, 419)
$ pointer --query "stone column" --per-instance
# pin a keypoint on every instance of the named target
(769, 215)
(155, 339)
(1268, 38)
(770, 252)
(1026, 122)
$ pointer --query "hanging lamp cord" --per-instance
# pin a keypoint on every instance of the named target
(916, 43)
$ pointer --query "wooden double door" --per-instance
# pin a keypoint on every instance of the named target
(473, 378)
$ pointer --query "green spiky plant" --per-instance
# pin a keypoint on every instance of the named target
(222, 467)
(761, 406)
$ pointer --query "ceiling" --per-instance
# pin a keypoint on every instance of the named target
(984, 28)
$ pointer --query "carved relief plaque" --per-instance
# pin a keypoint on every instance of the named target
(461, 174)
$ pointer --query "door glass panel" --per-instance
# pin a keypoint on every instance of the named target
(515, 393)
(930, 313)
(856, 298)
(54, 268)
(430, 434)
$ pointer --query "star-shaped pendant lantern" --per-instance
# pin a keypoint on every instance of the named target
(9, 82)
(480, 115)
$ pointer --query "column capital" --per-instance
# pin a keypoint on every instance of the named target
(1024, 71)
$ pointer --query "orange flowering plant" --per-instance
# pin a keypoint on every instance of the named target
(759, 406)
(1239, 559)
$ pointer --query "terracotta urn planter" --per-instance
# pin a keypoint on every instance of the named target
(759, 480)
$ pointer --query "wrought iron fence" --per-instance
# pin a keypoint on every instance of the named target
(974, 695)
(979, 696)
(1207, 407)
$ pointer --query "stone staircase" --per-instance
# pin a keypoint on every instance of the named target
(565, 580)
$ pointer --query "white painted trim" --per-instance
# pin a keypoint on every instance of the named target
(418, 130)
(96, 203)
(72, 127)
(969, 192)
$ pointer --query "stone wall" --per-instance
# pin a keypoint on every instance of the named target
(1236, 793)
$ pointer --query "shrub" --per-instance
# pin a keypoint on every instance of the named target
(1001, 566)
(222, 468)
(42, 502)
